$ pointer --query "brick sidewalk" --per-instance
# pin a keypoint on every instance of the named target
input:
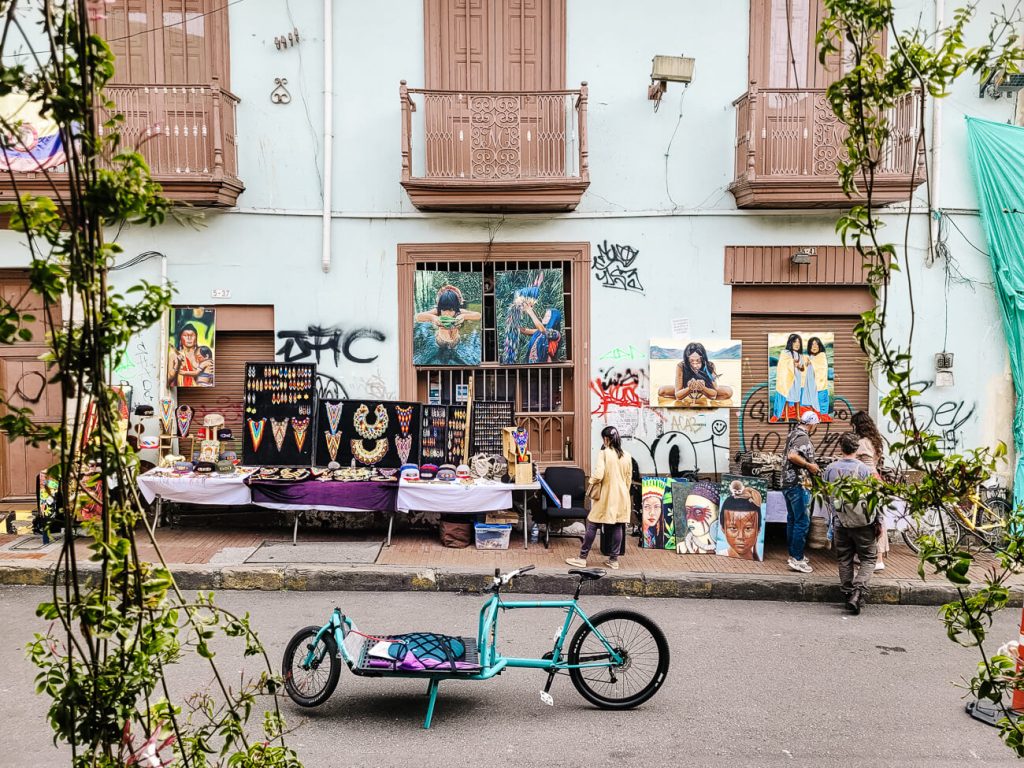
(199, 546)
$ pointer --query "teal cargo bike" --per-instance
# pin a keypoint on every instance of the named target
(616, 659)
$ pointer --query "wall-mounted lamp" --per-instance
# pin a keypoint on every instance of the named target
(803, 256)
(666, 69)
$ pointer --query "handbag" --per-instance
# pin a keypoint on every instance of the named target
(594, 491)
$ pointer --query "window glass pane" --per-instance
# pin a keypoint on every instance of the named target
(788, 44)
(184, 37)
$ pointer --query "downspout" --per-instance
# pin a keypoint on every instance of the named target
(935, 171)
(325, 257)
(164, 331)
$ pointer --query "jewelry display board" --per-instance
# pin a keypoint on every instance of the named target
(279, 407)
(443, 433)
(378, 434)
(489, 419)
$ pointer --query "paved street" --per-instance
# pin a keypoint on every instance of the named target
(751, 684)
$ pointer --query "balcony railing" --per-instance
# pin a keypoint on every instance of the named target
(494, 150)
(789, 143)
(185, 132)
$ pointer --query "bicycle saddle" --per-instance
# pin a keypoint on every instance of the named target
(588, 573)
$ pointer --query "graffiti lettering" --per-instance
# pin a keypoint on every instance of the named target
(623, 353)
(945, 419)
(756, 434)
(622, 387)
(375, 387)
(303, 344)
(614, 267)
(330, 387)
(649, 435)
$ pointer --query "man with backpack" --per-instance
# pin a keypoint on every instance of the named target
(856, 527)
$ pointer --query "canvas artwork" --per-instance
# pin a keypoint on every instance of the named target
(373, 433)
(801, 374)
(695, 373)
(695, 507)
(656, 529)
(741, 517)
(446, 324)
(190, 359)
(529, 307)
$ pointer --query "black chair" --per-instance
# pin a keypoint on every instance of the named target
(563, 481)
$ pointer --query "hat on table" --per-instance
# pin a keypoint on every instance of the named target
(446, 472)
(213, 420)
(428, 471)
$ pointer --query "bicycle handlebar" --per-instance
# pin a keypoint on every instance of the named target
(501, 580)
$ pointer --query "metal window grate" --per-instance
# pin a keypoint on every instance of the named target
(542, 395)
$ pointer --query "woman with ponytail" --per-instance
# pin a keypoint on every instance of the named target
(609, 489)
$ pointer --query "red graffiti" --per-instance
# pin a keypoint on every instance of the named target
(617, 388)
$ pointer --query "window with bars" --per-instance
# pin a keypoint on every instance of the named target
(549, 399)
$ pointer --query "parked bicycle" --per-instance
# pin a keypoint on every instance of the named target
(616, 659)
(975, 522)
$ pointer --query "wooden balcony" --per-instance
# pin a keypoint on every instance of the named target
(789, 142)
(185, 132)
(496, 151)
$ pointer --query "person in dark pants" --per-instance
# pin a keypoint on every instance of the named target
(856, 529)
(799, 453)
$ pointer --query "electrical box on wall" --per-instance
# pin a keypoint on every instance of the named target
(674, 69)
(944, 369)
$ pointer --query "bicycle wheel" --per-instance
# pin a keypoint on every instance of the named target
(310, 686)
(989, 525)
(641, 644)
(931, 522)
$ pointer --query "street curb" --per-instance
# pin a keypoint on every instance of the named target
(382, 578)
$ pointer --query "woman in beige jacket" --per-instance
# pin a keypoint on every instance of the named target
(613, 475)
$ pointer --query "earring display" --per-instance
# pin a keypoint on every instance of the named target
(283, 395)
(365, 433)
(443, 433)
(489, 419)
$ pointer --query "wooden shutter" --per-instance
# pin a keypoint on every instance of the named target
(233, 350)
(851, 379)
(24, 382)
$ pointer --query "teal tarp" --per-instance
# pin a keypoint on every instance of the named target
(997, 156)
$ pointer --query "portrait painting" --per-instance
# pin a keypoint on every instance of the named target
(446, 323)
(529, 308)
(190, 357)
(801, 374)
(741, 517)
(695, 512)
(656, 529)
(695, 373)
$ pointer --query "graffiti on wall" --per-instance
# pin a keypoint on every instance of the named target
(666, 444)
(945, 419)
(628, 352)
(614, 267)
(756, 434)
(138, 367)
(624, 386)
(335, 346)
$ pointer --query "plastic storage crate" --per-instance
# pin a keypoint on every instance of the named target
(493, 535)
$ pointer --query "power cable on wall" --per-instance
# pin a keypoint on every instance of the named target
(668, 149)
(305, 104)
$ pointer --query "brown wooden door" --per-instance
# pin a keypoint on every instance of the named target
(493, 46)
(167, 41)
(24, 380)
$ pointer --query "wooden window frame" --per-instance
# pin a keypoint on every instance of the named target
(411, 255)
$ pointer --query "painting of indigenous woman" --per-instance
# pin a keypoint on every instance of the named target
(741, 517)
(695, 374)
(446, 328)
(529, 307)
(656, 529)
(190, 356)
(800, 375)
(696, 510)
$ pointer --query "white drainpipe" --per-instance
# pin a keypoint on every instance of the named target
(328, 132)
(164, 331)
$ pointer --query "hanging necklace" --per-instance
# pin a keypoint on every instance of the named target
(371, 431)
(372, 456)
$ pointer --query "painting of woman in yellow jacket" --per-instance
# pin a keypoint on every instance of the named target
(818, 359)
(790, 376)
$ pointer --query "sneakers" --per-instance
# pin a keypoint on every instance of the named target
(879, 566)
(613, 564)
(803, 566)
(576, 562)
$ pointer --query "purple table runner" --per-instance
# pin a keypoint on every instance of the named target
(370, 496)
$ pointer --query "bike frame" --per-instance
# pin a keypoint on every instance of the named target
(492, 662)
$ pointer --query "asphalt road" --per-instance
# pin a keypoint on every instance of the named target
(751, 684)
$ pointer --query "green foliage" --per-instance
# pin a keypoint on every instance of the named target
(117, 630)
(864, 98)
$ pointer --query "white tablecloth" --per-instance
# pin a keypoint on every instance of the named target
(456, 497)
(196, 489)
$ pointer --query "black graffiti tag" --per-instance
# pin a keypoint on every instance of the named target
(675, 453)
(945, 419)
(614, 267)
(311, 342)
(758, 434)
(328, 387)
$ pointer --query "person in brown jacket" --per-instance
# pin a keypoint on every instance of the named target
(612, 475)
